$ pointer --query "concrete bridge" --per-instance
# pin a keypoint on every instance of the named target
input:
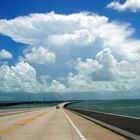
(51, 124)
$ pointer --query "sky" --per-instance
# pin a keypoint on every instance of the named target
(67, 49)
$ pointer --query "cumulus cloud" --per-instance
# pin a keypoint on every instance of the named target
(74, 30)
(132, 5)
(22, 77)
(104, 73)
(80, 38)
(4, 54)
(115, 67)
(39, 56)
(57, 87)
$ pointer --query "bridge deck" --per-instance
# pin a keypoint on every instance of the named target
(51, 124)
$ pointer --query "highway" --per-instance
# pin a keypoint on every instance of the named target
(52, 124)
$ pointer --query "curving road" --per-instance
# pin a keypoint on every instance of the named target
(52, 124)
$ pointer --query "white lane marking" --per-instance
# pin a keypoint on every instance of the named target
(76, 129)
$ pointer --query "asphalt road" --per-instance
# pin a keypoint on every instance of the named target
(46, 124)
(52, 124)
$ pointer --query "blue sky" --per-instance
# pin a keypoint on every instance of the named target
(11, 9)
(55, 46)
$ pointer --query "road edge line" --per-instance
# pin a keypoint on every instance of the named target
(76, 129)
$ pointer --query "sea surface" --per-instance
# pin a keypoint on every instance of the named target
(24, 106)
(129, 107)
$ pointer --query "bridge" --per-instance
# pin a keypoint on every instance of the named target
(50, 123)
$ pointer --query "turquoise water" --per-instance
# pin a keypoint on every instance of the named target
(120, 107)
(23, 106)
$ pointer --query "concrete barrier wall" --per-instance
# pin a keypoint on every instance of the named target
(123, 122)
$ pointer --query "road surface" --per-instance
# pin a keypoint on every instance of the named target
(52, 124)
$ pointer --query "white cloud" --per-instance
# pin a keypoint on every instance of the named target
(39, 56)
(115, 68)
(22, 77)
(57, 87)
(75, 30)
(4, 54)
(79, 38)
(104, 73)
(132, 5)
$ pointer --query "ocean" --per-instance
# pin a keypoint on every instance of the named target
(130, 107)
(24, 106)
